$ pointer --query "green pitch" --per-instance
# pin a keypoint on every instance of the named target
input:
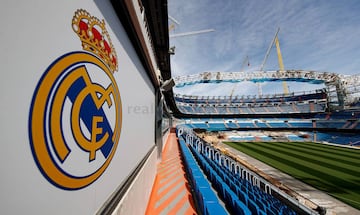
(332, 169)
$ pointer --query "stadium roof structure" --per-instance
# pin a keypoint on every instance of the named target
(260, 76)
(313, 77)
(341, 86)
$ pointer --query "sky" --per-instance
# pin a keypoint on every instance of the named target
(319, 35)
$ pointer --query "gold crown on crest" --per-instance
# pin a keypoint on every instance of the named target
(94, 37)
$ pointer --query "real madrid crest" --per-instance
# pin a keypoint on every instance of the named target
(75, 115)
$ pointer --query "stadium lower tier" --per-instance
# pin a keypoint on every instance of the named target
(220, 186)
(274, 123)
(336, 127)
(338, 138)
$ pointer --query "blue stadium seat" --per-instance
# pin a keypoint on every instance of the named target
(241, 208)
(239, 195)
(253, 207)
(206, 198)
(214, 208)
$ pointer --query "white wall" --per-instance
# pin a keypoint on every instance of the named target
(33, 35)
(135, 200)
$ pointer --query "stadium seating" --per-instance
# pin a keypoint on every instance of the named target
(344, 114)
(238, 194)
(339, 138)
(331, 137)
(301, 124)
(261, 124)
(294, 137)
(277, 98)
(232, 125)
(207, 200)
(347, 119)
(276, 123)
(313, 102)
(253, 109)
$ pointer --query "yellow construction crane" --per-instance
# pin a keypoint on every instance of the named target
(172, 25)
(281, 65)
(280, 60)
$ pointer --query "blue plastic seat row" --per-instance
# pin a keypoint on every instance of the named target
(207, 200)
(264, 201)
(252, 196)
(230, 198)
(234, 189)
(233, 184)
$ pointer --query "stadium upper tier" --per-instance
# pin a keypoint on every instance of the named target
(307, 102)
(297, 97)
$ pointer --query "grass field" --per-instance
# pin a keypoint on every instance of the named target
(332, 169)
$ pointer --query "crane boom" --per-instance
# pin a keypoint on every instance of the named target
(281, 65)
(268, 50)
(280, 60)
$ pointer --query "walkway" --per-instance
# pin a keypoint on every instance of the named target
(170, 193)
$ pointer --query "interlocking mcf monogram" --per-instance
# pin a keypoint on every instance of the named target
(75, 115)
(89, 92)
